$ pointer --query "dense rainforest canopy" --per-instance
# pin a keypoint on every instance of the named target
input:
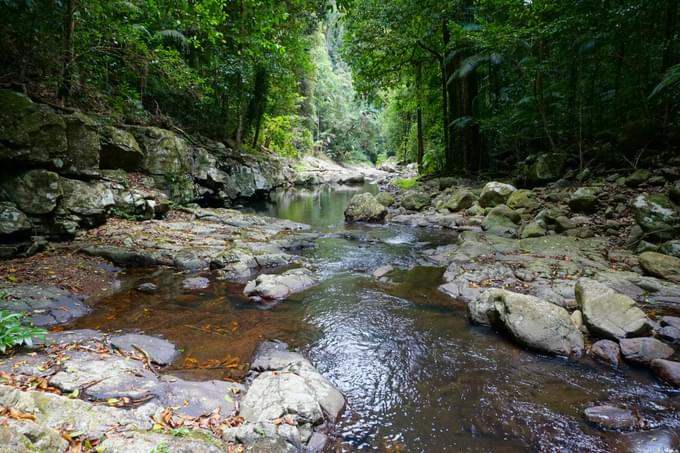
(465, 86)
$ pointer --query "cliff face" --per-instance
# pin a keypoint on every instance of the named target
(61, 172)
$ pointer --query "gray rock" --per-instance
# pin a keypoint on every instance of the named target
(415, 200)
(45, 305)
(534, 229)
(147, 288)
(607, 313)
(280, 286)
(160, 351)
(607, 351)
(12, 221)
(522, 199)
(121, 256)
(196, 398)
(583, 200)
(638, 177)
(532, 322)
(671, 248)
(35, 191)
(86, 199)
(667, 371)
(642, 351)
(119, 150)
(382, 271)
(657, 216)
(501, 221)
(384, 198)
(82, 153)
(662, 266)
(365, 208)
(194, 283)
(144, 442)
(495, 193)
(670, 333)
(545, 168)
(611, 418)
(458, 201)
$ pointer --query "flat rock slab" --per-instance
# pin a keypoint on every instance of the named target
(608, 313)
(198, 398)
(611, 417)
(46, 306)
(160, 351)
(642, 351)
(280, 286)
(144, 442)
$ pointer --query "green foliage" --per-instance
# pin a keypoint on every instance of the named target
(286, 135)
(406, 183)
(15, 330)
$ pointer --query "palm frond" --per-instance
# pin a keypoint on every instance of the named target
(670, 80)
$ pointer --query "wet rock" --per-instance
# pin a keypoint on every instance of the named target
(642, 351)
(656, 215)
(385, 198)
(671, 248)
(382, 271)
(365, 208)
(12, 221)
(194, 283)
(196, 398)
(501, 221)
(160, 351)
(121, 256)
(458, 201)
(607, 351)
(583, 200)
(638, 177)
(119, 149)
(45, 305)
(611, 417)
(35, 191)
(670, 333)
(534, 229)
(530, 321)
(79, 336)
(414, 200)
(495, 193)
(667, 371)
(280, 286)
(607, 313)
(662, 266)
(522, 199)
(147, 288)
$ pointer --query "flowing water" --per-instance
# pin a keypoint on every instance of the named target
(416, 374)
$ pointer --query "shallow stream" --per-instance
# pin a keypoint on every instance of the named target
(417, 375)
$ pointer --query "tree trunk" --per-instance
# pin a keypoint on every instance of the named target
(419, 95)
(66, 83)
(449, 158)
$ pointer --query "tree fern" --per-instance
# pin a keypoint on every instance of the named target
(670, 80)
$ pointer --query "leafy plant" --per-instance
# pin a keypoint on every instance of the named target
(15, 330)
(406, 183)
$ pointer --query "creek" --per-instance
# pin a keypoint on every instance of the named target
(416, 374)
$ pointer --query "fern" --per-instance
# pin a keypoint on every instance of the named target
(176, 36)
(670, 80)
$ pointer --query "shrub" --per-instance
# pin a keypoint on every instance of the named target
(15, 330)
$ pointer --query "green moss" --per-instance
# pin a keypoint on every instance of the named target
(405, 183)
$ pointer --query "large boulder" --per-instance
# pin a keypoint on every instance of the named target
(501, 221)
(385, 198)
(364, 207)
(119, 149)
(82, 154)
(87, 199)
(462, 199)
(530, 321)
(638, 177)
(608, 313)
(544, 168)
(657, 215)
(12, 221)
(415, 200)
(522, 199)
(584, 200)
(35, 191)
(30, 132)
(659, 265)
(495, 193)
(642, 351)
(168, 159)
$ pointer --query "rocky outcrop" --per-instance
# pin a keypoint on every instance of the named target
(530, 321)
(657, 215)
(365, 208)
